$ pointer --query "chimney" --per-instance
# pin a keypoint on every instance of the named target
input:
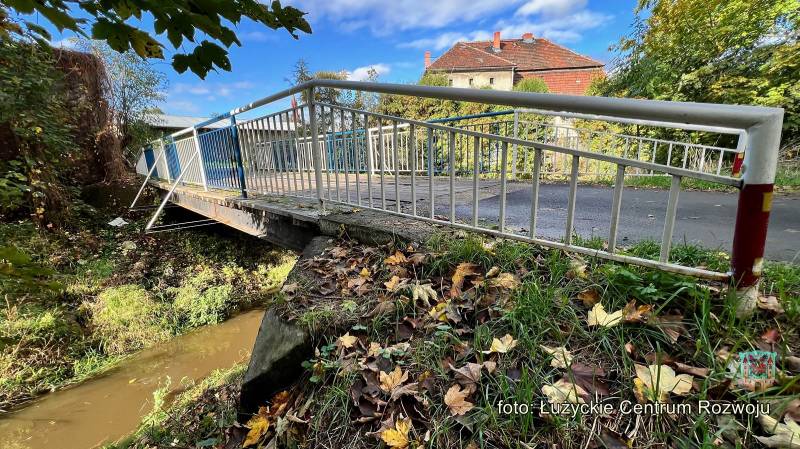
(496, 43)
(427, 59)
(527, 38)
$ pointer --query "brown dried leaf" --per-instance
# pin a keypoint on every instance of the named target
(770, 303)
(635, 314)
(463, 270)
(468, 375)
(390, 381)
(396, 259)
(589, 297)
(456, 400)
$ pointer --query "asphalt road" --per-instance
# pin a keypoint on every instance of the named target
(704, 218)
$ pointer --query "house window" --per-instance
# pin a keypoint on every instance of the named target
(491, 81)
(470, 81)
(450, 81)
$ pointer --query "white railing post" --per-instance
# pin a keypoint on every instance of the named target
(315, 150)
(514, 147)
(166, 159)
(200, 159)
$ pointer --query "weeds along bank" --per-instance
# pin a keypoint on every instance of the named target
(77, 301)
(441, 345)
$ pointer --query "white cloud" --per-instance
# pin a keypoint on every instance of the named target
(257, 36)
(551, 8)
(446, 40)
(181, 107)
(66, 43)
(362, 73)
(386, 17)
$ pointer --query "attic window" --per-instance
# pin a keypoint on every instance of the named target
(470, 81)
(491, 80)
(450, 82)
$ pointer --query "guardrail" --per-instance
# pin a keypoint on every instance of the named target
(338, 154)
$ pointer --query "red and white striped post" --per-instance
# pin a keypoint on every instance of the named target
(755, 203)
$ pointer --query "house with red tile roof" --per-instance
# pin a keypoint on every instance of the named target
(502, 63)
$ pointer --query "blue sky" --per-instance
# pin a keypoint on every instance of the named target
(390, 36)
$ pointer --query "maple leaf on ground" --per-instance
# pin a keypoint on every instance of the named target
(347, 340)
(784, 435)
(507, 281)
(564, 391)
(397, 438)
(463, 271)
(671, 325)
(635, 314)
(396, 259)
(561, 357)
(364, 273)
(424, 292)
(456, 400)
(770, 303)
(416, 259)
(577, 270)
(468, 375)
(394, 283)
(390, 381)
(599, 317)
(656, 382)
(502, 345)
(258, 425)
(589, 297)
(590, 378)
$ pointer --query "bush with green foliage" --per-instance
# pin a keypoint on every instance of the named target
(534, 84)
(202, 299)
(127, 318)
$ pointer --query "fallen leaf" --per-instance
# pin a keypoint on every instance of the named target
(771, 336)
(770, 303)
(661, 380)
(456, 400)
(561, 357)
(490, 366)
(397, 437)
(468, 375)
(502, 345)
(589, 297)
(364, 273)
(505, 280)
(783, 435)
(424, 292)
(599, 317)
(374, 349)
(463, 270)
(416, 259)
(590, 378)
(393, 284)
(564, 391)
(289, 288)
(390, 381)
(396, 259)
(347, 340)
(671, 325)
(438, 312)
(693, 370)
(635, 314)
(258, 425)
(577, 270)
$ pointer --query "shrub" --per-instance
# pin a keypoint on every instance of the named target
(531, 85)
(126, 318)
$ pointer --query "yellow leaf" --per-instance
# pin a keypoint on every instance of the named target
(502, 345)
(577, 270)
(396, 259)
(392, 283)
(456, 400)
(398, 437)
(393, 380)
(348, 340)
(783, 436)
(564, 391)
(599, 317)
(438, 312)
(661, 380)
(561, 357)
(258, 427)
(425, 292)
(505, 280)
(374, 349)
(364, 273)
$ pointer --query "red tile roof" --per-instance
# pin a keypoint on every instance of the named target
(541, 54)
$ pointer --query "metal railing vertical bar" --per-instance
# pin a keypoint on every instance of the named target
(573, 194)
(368, 149)
(669, 221)
(412, 133)
(292, 148)
(395, 151)
(357, 153)
(535, 177)
(616, 206)
(266, 156)
(430, 172)
(476, 143)
(345, 155)
(451, 156)
(251, 152)
(382, 162)
(304, 173)
(277, 135)
(503, 184)
(312, 114)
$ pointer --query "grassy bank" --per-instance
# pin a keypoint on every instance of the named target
(76, 302)
(419, 347)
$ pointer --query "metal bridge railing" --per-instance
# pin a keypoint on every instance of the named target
(342, 155)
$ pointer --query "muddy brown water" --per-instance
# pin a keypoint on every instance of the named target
(103, 410)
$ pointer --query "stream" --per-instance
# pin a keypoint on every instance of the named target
(107, 408)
